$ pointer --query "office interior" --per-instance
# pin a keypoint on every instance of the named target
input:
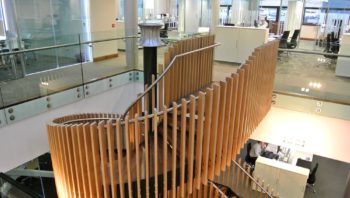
(51, 47)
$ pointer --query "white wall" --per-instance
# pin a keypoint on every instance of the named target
(102, 15)
(27, 139)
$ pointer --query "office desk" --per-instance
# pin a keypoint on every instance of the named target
(287, 179)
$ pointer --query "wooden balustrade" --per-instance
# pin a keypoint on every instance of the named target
(191, 72)
(179, 148)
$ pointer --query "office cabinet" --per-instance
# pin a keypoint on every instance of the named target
(286, 179)
(238, 43)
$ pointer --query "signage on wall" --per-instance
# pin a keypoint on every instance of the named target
(293, 141)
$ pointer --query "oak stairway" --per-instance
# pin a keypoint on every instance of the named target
(186, 145)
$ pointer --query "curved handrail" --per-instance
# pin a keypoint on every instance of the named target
(163, 74)
(252, 178)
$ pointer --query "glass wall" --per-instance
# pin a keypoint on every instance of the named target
(40, 23)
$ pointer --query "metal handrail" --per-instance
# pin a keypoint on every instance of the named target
(252, 178)
(66, 45)
(165, 72)
(312, 52)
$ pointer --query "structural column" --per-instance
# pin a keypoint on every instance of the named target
(215, 15)
(130, 26)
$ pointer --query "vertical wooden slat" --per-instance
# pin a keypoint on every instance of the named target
(83, 160)
(173, 160)
(137, 162)
(165, 151)
(206, 135)
(223, 86)
(155, 135)
(153, 92)
(89, 159)
(73, 170)
(64, 158)
(128, 160)
(120, 158)
(183, 146)
(232, 119)
(161, 90)
(145, 100)
(237, 115)
(191, 143)
(227, 124)
(167, 79)
(111, 159)
(96, 159)
(199, 139)
(213, 131)
(103, 156)
(146, 122)
(79, 174)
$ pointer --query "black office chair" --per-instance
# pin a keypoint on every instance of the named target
(334, 43)
(332, 48)
(284, 40)
(164, 31)
(311, 180)
(283, 43)
(294, 41)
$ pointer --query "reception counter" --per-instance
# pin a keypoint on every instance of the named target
(287, 179)
(237, 43)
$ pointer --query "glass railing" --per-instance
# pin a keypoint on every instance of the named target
(33, 73)
(40, 68)
(312, 75)
(317, 73)
(10, 188)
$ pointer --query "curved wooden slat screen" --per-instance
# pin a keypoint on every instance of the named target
(191, 72)
(191, 141)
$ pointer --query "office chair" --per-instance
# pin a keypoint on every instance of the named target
(293, 42)
(332, 48)
(283, 41)
(164, 31)
(334, 43)
(311, 180)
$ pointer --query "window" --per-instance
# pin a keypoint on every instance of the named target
(312, 16)
(270, 12)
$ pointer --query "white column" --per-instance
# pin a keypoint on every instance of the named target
(160, 6)
(239, 11)
(181, 17)
(215, 15)
(130, 26)
(294, 18)
(192, 14)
